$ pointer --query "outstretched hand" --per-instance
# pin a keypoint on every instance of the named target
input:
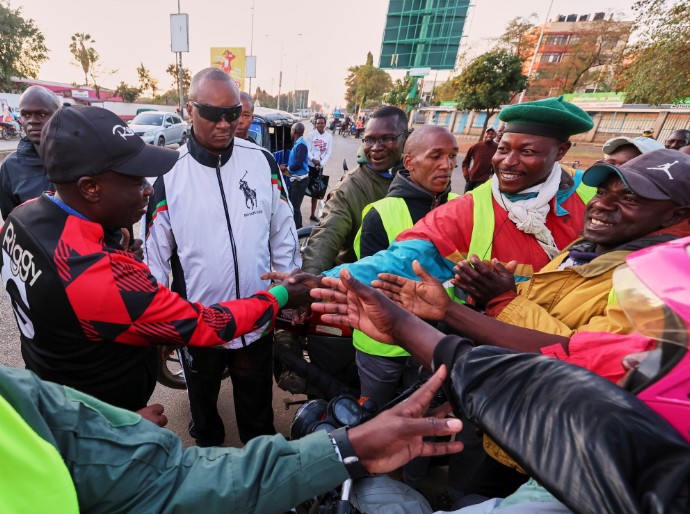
(296, 276)
(426, 299)
(298, 285)
(395, 436)
(350, 302)
(484, 281)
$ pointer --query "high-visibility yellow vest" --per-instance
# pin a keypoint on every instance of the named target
(484, 222)
(396, 218)
(33, 476)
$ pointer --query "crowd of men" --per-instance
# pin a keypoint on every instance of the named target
(523, 261)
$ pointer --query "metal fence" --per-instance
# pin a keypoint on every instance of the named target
(607, 123)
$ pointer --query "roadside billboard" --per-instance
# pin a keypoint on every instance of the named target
(423, 34)
(232, 60)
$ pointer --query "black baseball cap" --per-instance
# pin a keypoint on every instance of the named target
(658, 175)
(84, 141)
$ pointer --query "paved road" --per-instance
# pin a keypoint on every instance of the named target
(8, 145)
(175, 401)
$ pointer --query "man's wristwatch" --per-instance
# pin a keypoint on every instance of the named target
(342, 444)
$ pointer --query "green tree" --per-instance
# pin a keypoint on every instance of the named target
(127, 92)
(655, 68)
(83, 53)
(22, 46)
(399, 95)
(186, 78)
(488, 82)
(520, 36)
(147, 80)
(264, 99)
(366, 83)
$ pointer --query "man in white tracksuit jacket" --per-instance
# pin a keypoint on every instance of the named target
(217, 221)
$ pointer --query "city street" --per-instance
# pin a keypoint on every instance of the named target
(175, 401)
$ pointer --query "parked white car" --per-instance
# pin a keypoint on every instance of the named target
(160, 128)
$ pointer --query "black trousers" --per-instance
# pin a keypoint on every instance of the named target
(251, 372)
(297, 190)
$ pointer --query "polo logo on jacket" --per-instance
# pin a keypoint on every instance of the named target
(249, 193)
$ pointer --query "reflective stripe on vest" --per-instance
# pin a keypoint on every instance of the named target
(396, 218)
(33, 476)
(484, 222)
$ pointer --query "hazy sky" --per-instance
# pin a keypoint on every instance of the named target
(334, 35)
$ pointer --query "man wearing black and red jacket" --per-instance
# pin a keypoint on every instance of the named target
(89, 312)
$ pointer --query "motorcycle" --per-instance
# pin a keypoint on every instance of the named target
(9, 131)
(351, 130)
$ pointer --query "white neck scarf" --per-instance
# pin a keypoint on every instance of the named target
(529, 215)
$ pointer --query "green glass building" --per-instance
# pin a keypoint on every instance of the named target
(423, 34)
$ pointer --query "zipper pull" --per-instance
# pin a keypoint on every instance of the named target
(219, 162)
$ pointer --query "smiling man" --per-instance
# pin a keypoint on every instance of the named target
(529, 210)
(217, 221)
(22, 176)
(332, 241)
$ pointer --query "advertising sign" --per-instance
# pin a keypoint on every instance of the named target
(179, 32)
(231, 60)
(596, 100)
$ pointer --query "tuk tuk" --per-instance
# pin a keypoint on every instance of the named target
(271, 129)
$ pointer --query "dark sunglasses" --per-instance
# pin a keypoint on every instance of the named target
(215, 114)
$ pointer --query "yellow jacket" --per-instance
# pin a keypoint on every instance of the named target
(569, 300)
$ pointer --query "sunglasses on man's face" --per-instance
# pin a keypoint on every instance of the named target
(215, 114)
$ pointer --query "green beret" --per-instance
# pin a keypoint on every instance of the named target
(552, 117)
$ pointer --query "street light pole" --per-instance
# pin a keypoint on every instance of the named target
(280, 77)
(179, 42)
(251, 47)
(179, 73)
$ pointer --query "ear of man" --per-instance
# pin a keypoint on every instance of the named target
(675, 216)
(563, 149)
(89, 188)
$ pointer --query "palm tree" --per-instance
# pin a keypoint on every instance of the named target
(84, 54)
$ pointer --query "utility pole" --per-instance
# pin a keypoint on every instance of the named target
(180, 73)
(251, 46)
(280, 76)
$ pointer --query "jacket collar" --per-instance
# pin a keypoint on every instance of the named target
(403, 186)
(26, 152)
(206, 158)
(616, 256)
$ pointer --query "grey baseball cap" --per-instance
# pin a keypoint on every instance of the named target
(643, 144)
(658, 175)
